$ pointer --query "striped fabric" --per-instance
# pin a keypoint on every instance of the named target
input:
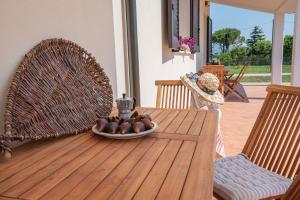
(220, 146)
(237, 178)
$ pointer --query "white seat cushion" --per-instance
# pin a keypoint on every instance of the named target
(237, 178)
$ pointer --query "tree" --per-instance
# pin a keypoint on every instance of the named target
(239, 54)
(227, 37)
(225, 58)
(256, 35)
(261, 52)
(262, 48)
(288, 49)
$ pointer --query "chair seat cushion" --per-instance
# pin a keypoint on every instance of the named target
(237, 178)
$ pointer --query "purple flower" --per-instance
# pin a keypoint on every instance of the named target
(180, 39)
(186, 41)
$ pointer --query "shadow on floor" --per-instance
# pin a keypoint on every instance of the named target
(241, 90)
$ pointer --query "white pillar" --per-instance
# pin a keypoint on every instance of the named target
(277, 50)
(296, 48)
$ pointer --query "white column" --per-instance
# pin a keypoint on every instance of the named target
(277, 50)
(296, 48)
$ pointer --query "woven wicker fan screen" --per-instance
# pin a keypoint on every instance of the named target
(58, 89)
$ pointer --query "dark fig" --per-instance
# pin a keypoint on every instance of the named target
(101, 124)
(121, 121)
(108, 119)
(139, 118)
(147, 123)
(112, 127)
(148, 117)
(135, 114)
(131, 120)
(138, 127)
(125, 127)
(115, 119)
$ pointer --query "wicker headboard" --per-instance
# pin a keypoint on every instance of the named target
(58, 89)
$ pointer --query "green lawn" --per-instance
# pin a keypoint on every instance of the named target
(258, 69)
(265, 79)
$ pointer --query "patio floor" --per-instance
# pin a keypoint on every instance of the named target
(239, 117)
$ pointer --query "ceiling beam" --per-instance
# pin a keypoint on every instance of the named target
(281, 5)
(244, 4)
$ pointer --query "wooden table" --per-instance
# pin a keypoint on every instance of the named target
(176, 162)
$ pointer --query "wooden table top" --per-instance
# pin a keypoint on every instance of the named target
(176, 162)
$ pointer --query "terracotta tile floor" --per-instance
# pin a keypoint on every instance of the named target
(238, 117)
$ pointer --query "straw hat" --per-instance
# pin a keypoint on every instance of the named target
(206, 86)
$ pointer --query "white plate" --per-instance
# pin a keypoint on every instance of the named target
(125, 136)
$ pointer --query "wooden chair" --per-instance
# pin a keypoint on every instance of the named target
(218, 71)
(293, 192)
(232, 84)
(274, 142)
(172, 94)
(214, 66)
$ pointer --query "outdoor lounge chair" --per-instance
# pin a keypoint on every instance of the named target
(232, 84)
(269, 166)
(172, 94)
(58, 89)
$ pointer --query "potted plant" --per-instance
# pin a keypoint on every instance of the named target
(186, 44)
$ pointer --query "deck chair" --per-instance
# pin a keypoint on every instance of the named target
(269, 166)
(172, 94)
(232, 84)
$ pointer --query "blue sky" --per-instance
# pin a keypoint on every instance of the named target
(245, 20)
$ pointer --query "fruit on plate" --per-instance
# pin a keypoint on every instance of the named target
(111, 127)
(147, 123)
(135, 114)
(125, 127)
(101, 124)
(136, 124)
(138, 127)
(147, 116)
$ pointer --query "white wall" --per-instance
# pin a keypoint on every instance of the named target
(156, 60)
(119, 48)
(24, 23)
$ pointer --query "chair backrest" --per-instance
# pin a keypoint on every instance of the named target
(242, 73)
(216, 71)
(172, 94)
(274, 140)
(213, 66)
